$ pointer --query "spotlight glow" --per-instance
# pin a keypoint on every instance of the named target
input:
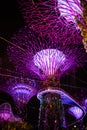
(49, 60)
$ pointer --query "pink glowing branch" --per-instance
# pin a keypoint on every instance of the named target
(39, 15)
(66, 40)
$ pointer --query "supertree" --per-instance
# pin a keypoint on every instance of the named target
(75, 111)
(48, 11)
(6, 113)
(22, 90)
(47, 47)
(75, 10)
(70, 9)
(48, 59)
(46, 16)
(84, 102)
(29, 47)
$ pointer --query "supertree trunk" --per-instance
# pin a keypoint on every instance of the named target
(51, 116)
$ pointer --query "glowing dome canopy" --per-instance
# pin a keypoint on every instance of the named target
(5, 111)
(49, 61)
(70, 9)
(84, 103)
(22, 93)
(76, 112)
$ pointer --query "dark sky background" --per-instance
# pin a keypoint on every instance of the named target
(10, 21)
(10, 17)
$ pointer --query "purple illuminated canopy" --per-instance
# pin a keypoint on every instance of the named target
(5, 111)
(40, 15)
(47, 45)
(46, 32)
(21, 89)
(26, 54)
(84, 103)
(76, 112)
(22, 93)
(49, 60)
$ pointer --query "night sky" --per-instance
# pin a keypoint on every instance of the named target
(10, 21)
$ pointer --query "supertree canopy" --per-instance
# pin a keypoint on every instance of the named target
(70, 9)
(36, 52)
(84, 103)
(49, 61)
(76, 111)
(48, 46)
(48, 12)
(6, 112)
(76, 11)
(7, 115)
(47, 58)
(48, 50)
(47, 33)
(21, 90)
(40, 15)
